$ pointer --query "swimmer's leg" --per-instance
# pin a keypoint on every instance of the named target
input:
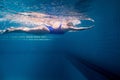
(13, 29)
(34, 30)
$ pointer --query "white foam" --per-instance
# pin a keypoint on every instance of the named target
(25, 19)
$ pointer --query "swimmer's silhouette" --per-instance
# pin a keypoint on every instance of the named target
(43, 23)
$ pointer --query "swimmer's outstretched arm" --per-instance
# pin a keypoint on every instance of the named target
(80, 28)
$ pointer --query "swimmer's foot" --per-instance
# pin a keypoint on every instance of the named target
(2, 31)
(8, 30)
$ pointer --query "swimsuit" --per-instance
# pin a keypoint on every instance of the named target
(55, 31)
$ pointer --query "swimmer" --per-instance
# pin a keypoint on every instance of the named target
(44, 24)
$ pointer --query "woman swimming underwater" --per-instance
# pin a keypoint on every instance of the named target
(43, 23)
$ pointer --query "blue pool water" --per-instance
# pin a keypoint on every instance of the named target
(86, 55)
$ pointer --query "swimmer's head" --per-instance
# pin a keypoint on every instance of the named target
(76, 22)
(70, 24)
(73, 22)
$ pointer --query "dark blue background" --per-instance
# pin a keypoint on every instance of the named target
(87, 55)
